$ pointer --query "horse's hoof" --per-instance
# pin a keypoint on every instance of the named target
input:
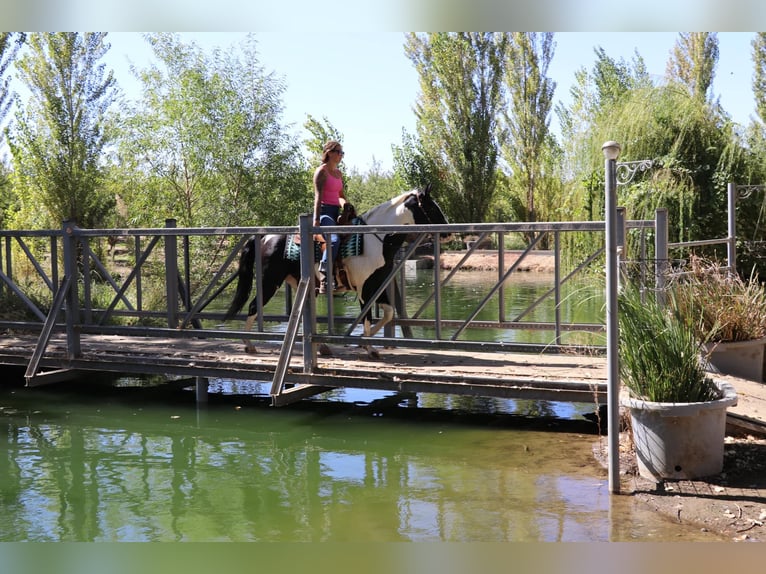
(373, 354)
(324, 350)
(250, 350)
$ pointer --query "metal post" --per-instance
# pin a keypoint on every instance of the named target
(171, 274)
(201, 388)
(72, 303)
(621, 234)
(309, 309)
(731, 243)
(611, 152)
(660, 253)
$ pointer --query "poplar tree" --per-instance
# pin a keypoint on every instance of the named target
(692, 62)
(10, 43)
(527, 117)
(59, 138)
(460, 97)
(759, 75)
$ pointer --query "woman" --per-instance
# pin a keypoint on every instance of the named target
(328, 198)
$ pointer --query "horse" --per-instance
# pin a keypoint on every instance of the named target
(365, 272)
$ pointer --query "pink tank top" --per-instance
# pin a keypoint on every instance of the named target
(331, 190)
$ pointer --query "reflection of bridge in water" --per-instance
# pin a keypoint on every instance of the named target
(73, 326)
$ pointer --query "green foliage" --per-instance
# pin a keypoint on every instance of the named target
(659, 351)
(457, 113)
(10, 43)
(58, 141)
(205, 144)
(321, 133)
(527, 142)
(759, 76)
(371, 188)
(693, 61)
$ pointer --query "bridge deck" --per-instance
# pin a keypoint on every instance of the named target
(566, 378)
(569, 378)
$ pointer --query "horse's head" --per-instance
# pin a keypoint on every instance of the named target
(424, 208)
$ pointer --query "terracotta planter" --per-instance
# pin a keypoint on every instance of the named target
(738, 358)
(680, 440)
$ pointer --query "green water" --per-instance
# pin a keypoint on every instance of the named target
(85, 462)
(135, 460)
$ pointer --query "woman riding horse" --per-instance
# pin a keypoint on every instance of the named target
(366, 271)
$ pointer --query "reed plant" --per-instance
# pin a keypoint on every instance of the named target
(721, 306)
(659, 351)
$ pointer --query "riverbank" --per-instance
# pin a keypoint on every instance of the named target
(487, 260)
(731, 504)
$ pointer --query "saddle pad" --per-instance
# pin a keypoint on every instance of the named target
(293, 250)
(352, 245)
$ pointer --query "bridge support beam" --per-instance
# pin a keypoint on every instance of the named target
(201, 388)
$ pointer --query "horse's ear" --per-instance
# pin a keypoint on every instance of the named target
(427, 190)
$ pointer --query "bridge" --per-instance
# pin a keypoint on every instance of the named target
(78, 314)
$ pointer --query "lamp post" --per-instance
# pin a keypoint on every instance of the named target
(611, 152)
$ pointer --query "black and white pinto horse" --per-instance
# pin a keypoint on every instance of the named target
(365, 272)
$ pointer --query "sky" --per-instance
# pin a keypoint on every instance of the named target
(365, 85)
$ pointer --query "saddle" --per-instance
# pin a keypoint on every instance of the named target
(350, 244)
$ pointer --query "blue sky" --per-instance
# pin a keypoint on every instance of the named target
(366, 87)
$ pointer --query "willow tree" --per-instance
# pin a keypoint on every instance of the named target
(205, 143)
(692, 62)
(58, 140)
(527, 120)
(458, 106)
(595, 96)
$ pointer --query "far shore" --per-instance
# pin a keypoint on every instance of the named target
(487, 260)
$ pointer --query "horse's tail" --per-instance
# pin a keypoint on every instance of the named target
(245, 275)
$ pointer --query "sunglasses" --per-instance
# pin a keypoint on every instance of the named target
(341, 152)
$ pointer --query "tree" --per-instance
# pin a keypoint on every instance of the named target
(759, 75)
(205, 144)
(457, 111)
(10, 43)
(58, 140)
(692, 62)
(527, 118)
(595, 97)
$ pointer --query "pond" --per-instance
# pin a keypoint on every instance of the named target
(134, 459)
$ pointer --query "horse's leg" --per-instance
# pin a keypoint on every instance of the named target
(388, 314)
(370, 330)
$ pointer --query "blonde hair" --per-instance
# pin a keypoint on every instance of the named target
(331, 145)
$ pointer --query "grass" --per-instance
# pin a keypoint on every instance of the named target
(660, 352)
(721, 307)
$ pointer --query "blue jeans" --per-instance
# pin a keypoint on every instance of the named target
(328, 215)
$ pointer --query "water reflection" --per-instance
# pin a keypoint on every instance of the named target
(126, 468)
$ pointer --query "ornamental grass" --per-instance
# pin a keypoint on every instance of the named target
(720, 306)
(659, 352)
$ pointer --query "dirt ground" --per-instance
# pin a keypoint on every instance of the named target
(540, 262)
(731, 504)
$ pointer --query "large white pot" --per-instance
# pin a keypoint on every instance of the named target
(680, 440)
(738, 358)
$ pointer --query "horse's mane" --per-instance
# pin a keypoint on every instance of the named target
(386, 205)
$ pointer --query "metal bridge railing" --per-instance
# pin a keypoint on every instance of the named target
(55, 276)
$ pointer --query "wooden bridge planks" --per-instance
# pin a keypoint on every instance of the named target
(508, 375)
